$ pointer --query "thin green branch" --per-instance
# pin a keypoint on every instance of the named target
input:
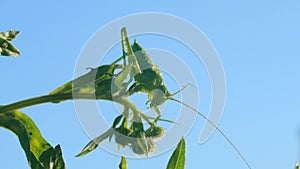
(55, 98)
(44, 99)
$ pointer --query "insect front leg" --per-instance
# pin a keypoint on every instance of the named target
(158, 112)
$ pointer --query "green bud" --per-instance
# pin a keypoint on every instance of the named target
(148, 144)
(137, 149)
(121, 136)
(155, 132)
(122, 140)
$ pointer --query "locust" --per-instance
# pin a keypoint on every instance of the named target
(136, 74)
(150, 81)
(144, 77)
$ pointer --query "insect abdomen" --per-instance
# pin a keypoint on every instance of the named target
(150, 78)
(141, 56)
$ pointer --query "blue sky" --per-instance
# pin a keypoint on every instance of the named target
(257, 42)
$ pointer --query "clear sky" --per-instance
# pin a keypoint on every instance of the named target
(257, 42)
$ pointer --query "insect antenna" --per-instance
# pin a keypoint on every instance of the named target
(180, 90)
(216, 127)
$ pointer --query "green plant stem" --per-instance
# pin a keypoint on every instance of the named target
(55, 98)
(44, 99)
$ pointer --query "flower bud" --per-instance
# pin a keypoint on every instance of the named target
(155, 132)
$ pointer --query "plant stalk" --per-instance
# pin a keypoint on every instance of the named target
(55, 98)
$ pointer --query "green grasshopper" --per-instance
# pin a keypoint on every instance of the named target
(148, 79)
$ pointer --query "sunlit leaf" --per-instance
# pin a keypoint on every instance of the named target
(117, 121)
(9, 35)
(142, 143)
(7, 49)
(123, 163)
(38, 151)
(96, 81)
(297, 165)
(177, 159)
(92, 145)
(56, 160)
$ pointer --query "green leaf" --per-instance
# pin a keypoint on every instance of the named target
(38, 151)
(123, 163)
(117, 121)
(177, 159)
(7, 49)
(297, 165)
(9, 35)
(97, 81)
(92, 145)
(142, 56)
(142, 143)
(56, 160)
